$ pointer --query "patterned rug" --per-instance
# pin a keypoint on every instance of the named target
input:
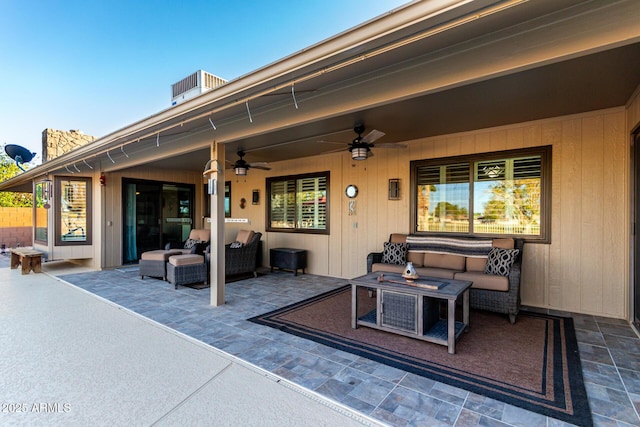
(533, 364)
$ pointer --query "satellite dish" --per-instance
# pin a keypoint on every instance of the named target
(19, 154)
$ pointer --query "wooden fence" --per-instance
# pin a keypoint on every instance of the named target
(16, 227)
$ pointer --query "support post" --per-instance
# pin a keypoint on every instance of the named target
(217, 271)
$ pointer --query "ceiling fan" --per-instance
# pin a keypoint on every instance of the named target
(360, 147)
(241, 167)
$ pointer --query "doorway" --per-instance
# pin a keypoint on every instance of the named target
(154, 214)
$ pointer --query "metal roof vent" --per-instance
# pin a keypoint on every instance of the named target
(194, 85)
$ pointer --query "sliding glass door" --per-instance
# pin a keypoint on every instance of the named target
(154, 214)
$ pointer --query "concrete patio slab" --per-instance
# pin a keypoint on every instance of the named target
(70, 358)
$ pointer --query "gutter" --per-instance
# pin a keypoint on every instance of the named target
(320, 58)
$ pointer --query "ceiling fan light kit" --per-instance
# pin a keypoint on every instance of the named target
(359, 153)
(240, 167)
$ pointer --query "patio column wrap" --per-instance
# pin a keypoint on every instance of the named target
(217, 272)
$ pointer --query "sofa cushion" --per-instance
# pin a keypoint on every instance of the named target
(500, 261)
(398, 238)
(450, 262)
(504, 243)
(476, 264)
(484, 281)
(394, 253)
(417, 258)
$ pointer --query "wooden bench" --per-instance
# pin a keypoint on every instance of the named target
(31, 260)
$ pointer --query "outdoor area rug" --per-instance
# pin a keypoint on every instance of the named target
(533, 364)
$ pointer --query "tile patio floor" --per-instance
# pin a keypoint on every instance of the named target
(609, 351)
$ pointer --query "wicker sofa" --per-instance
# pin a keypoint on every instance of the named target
(463, 259)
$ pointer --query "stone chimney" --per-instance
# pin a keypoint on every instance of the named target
(58, 142)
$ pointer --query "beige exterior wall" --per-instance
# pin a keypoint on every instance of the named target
(584, 268)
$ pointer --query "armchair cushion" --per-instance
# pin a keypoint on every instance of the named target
(200, 234)
(245, 236)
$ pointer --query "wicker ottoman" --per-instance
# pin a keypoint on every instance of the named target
(154, 263)
(186, 269)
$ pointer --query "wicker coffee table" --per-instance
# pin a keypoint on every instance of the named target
(413, 309)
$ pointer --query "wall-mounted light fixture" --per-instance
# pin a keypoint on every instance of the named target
(394, 189)
(255, 198)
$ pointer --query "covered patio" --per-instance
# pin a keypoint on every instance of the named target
(608, 351)
(444, 80)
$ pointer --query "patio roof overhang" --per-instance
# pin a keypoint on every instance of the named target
(424, 69)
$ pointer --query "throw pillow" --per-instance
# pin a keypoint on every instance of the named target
(199, 248)
(394, 253)
(190, 243)
(236, 245)
(499, 261)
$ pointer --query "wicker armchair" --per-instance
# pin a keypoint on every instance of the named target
(243, 259)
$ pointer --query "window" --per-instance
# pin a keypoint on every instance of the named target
(227, 200)
(503, 194)
(41, 206)
(298, 203)
(73, 219)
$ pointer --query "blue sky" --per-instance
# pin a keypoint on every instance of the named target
(98, 66)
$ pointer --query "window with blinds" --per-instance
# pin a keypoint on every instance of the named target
(298, 203)
(443, 197)
(73, 211)
(487, 194)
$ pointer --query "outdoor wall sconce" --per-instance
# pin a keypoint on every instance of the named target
(394, 189)
(243, 203)
(255, 197)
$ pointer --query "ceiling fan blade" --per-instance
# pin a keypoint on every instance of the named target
(373, 136)
(391, 145)
(330, 142)
(258, 164)
(264, 168)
